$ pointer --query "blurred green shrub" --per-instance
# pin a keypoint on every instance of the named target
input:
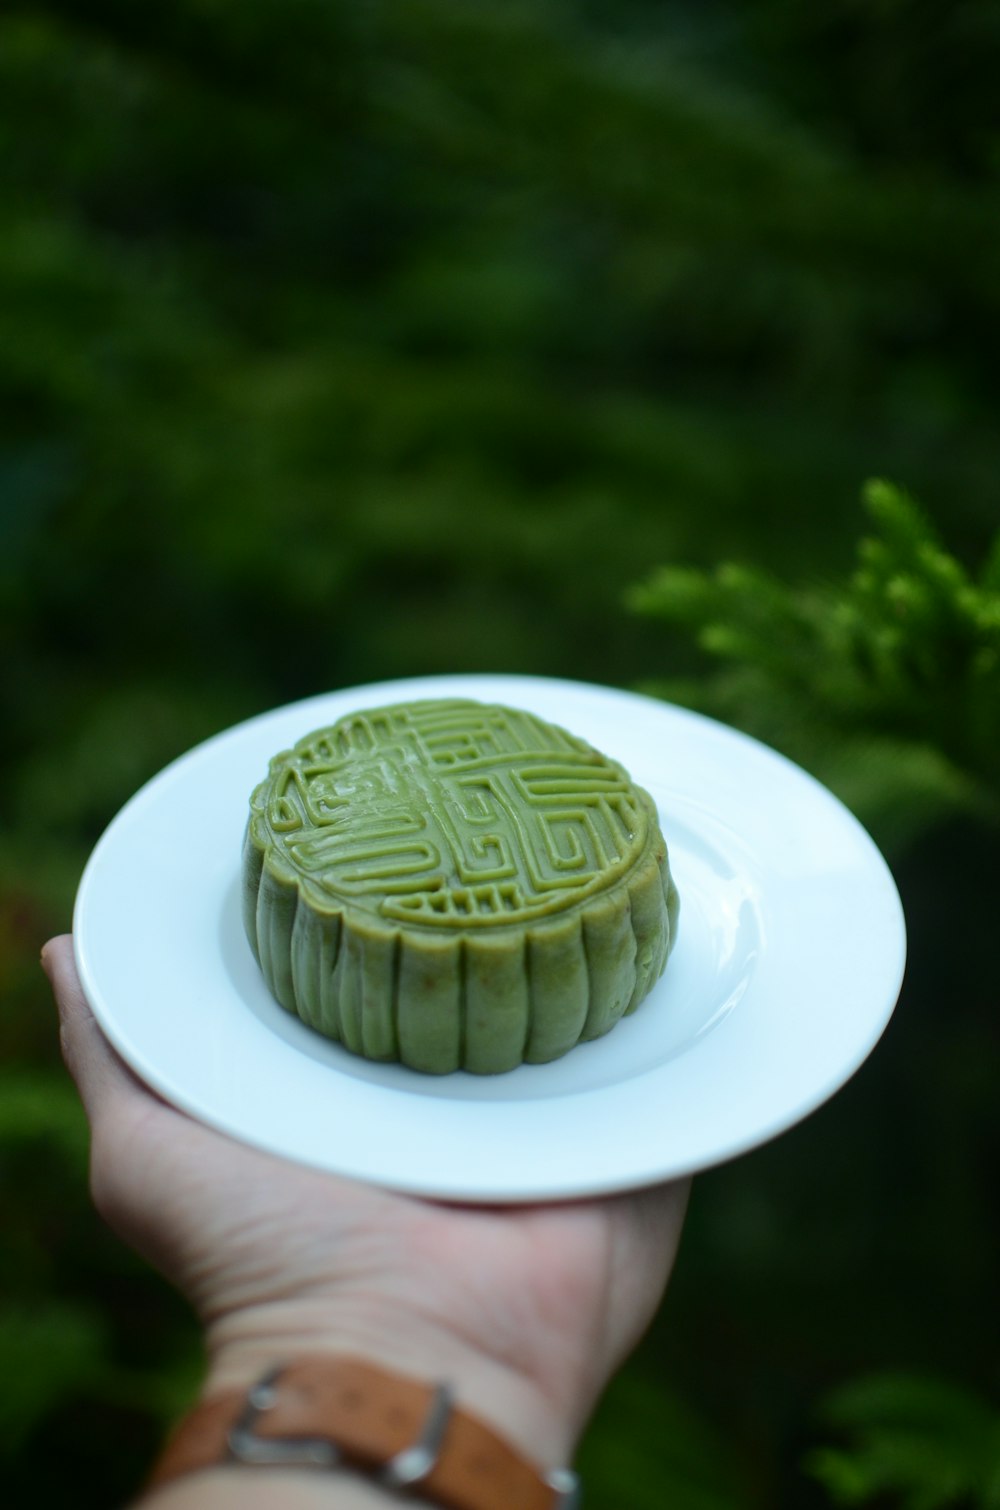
(341, 342)
(886, 684)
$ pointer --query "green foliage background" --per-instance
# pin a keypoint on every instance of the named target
(344, 342)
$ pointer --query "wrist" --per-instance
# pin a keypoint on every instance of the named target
(319, 1422)
(243, 1345)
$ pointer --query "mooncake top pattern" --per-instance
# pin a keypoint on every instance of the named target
(449, 815)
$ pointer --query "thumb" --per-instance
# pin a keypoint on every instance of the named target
(100, 1075)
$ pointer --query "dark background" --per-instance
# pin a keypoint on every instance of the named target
(345, 342)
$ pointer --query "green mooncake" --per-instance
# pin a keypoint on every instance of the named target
(455, 886)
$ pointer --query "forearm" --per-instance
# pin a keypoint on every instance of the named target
(523, 1312)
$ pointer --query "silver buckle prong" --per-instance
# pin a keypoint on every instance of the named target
(415, 1462)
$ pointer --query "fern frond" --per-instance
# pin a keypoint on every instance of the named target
(904, 653)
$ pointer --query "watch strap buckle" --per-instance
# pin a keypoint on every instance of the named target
(409, 1466)
(245, 1445)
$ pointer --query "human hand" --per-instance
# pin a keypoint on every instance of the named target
(526, 1311)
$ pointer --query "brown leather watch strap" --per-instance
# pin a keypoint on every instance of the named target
(324, 1411)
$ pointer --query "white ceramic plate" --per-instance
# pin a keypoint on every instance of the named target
(787, 967)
